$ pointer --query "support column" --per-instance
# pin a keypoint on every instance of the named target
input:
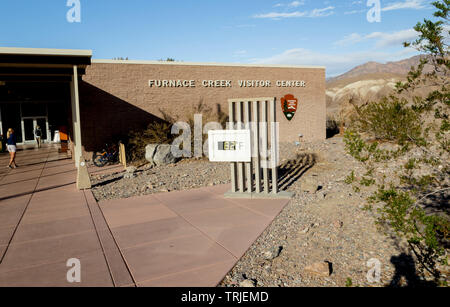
(1, 123)
(83, 178)
(76, 116)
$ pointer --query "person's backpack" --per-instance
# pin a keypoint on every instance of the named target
(38, 132)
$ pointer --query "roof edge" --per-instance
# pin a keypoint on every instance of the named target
(45, 52)
(142, 62)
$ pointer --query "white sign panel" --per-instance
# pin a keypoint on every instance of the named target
(230, 146)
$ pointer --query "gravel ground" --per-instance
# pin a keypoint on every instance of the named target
(318, 232)
(188, 174)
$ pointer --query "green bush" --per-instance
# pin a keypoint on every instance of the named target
(417, 130)
(390, 119)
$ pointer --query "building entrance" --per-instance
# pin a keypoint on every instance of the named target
(29, 127)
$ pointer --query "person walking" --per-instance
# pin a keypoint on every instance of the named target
(11, 145)
(37, 135)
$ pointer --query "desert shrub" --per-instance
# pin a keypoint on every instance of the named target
(332, 126)
(412, 199)
(390, 119)
(161, 132)
(155, 133)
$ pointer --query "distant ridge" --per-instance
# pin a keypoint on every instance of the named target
(366, 82)
(401, 67)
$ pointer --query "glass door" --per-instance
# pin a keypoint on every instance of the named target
(28, 124)
(29, 127)
(42, 123)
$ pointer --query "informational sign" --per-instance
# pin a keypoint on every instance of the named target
(229, 146)
(289, 105)
(177, 83)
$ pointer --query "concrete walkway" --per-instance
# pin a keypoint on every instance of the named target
(188, 238)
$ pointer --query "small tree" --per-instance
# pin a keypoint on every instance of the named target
(403, 140)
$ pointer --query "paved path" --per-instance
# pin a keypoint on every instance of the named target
(188, 238)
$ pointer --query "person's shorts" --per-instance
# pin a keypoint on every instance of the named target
(11, 148)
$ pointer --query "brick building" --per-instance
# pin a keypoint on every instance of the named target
(104, 99)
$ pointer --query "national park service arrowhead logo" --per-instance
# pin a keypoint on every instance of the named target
(289, 105)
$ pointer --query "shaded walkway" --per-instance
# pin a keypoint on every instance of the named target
(187, 238)
(44, 221)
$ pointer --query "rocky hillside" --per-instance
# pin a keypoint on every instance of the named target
(397, 68)
(366, 82)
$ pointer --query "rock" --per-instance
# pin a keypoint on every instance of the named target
(130, 172)
(150, 151)
(305, 230)
(131, 169)
(164, 155)
(338, 224)
(247, 284)
(129, 176)
(321, 269)
(274, 253)
(309, 185)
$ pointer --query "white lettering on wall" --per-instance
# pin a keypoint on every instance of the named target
(171, 83)
(225, 83)
(216, 83)
(255, 83)
(291, 83)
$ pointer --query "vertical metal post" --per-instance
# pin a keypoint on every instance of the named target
(233, 165)
(257, 158)
(274, 146)
(239, 118)
(248, 166)
(264, 152)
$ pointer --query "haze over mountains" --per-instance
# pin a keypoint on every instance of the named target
(366, 82)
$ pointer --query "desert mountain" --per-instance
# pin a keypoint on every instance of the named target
(366, 82)
(401, 67)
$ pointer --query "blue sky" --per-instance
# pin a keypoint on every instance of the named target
(333, 33)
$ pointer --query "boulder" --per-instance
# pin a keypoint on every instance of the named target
(150, 151)
(164, 155)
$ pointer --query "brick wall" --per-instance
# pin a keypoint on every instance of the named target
(116, 97)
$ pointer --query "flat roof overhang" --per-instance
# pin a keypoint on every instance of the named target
(35, 64)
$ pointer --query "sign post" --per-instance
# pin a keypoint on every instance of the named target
(246, 146)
